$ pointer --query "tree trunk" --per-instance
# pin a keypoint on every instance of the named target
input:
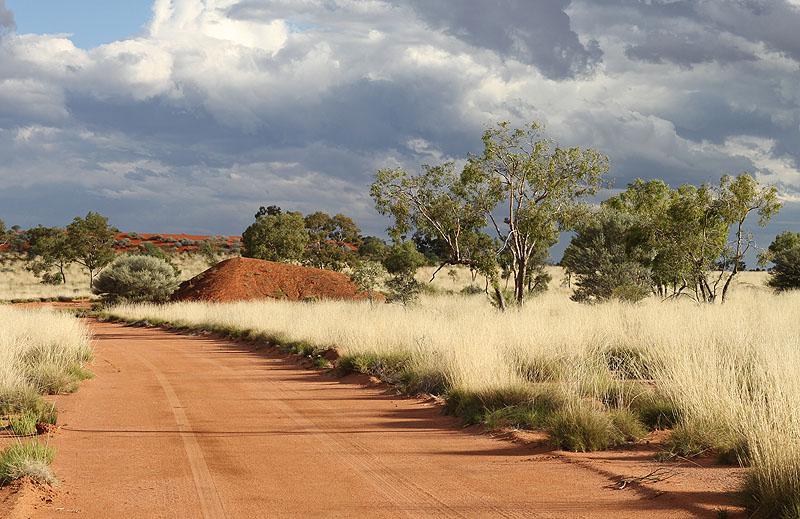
(501, 301)
(519, 281)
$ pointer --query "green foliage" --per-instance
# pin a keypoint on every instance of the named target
(784, 252)
(276, 237)
(330, 240)
(536, 184)
(608, 257)
(31, 459)
(92, 240)
(149, 249)
(23, 424)
(367, 276)
(581, 427)
(686, 230)
(211, 250)
(403, 288)
(137, 278)
(403, 258)
(5, 234)
(372, 249)
(50, 252)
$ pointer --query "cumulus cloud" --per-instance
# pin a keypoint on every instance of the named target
(220, 106)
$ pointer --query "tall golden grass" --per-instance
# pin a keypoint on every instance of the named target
(730, 372)
(41, 352)
(18, 283)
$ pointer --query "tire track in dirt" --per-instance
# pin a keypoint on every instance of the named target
(210, 502)
(399, 490)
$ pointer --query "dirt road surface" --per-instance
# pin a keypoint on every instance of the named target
(179, 426)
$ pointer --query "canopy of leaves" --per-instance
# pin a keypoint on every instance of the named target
(92, 240)
(50, 251)
(276, 237)
(403, 258)
(331, 240)
(784, 252)
(608, 257)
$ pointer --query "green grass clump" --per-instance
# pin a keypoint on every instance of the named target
(31, 459)
(770, 496)
(539, 368)
(521, 406)
(655, 410)
(582, 427)
(16, 400)
(628, 424)
(628, 362)
(416, 380)
(386, 366)
(690, 438)
(23, 424)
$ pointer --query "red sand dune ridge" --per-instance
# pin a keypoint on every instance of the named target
(246, 279)
(130, 241)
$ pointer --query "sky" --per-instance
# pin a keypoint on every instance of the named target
(187, 115)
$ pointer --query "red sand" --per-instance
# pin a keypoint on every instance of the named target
(190, 427)
(245, 279)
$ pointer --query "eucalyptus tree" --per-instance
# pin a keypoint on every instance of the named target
(529, 189)
(436, 204)
(697, 235)
(523, 188)
(92, 241)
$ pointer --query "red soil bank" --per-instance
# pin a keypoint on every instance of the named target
(244, 279)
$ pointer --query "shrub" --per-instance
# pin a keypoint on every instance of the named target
(403, 288)
(607, 257)
(30, 459)
(136, 279)
(471, 290)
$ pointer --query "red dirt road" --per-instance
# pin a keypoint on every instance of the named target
(177, 426)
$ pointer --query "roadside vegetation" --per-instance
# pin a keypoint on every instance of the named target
(651, 320)
(722, 378)
(41, 353)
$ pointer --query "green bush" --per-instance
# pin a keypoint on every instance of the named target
(136, 278)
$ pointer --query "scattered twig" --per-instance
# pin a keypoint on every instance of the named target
(656, 476)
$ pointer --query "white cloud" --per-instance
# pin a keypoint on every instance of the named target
(231, 104)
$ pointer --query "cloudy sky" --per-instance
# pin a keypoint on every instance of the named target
(186, 115)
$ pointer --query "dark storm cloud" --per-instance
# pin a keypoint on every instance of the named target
(536, 32)
(689, 32)
(297, 102)
(686, 49)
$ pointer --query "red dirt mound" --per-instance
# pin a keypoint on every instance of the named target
(245, 279)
